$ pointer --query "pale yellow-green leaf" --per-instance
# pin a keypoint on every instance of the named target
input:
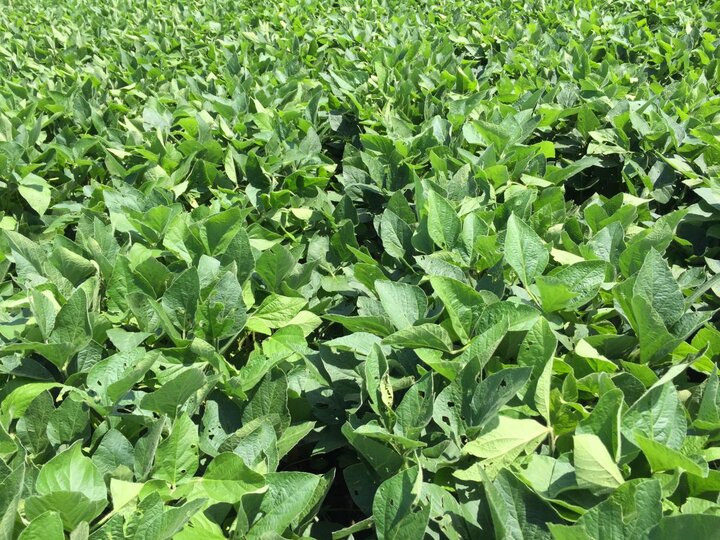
(594, 467)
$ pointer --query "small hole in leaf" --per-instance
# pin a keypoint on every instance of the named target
(391, 502)
(451, 404)
(421, 394)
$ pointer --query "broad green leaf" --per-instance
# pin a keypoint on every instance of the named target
(630, 512)
(71, 471)
(663, 458)
(657, 415)
(172, 395)
(503, 443)
(543, 387)
(538, 346)
(68, 423)
(275, 312)
(657, 285)
(181, 298)
(516, 511)
(32, 427)
(525, 251)
(481, 402)
(289, 496)
(572, 286)
(114, 455)
(656, 341)
(462, 303)
(443, 223)
(423, 336)
(379, 389)
(595, 468)
(177, 455)
(73, 507)
(16, 402)
(227, 479)
(690, 525)
(396, 234)
(47, 526)
(11, 491)
(605, 421)
(415, 409)
(71, 485)
(708, 414)
(404, 304)
(36, 191)
(482, 347)
(398, 510)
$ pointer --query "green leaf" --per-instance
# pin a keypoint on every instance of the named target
(11, 491)
(290, 496)
(379, 389)
(423, 336)
(504, 442)
(181, 298)
(444, 225)
(656, 341)
(404, 304)
(398, 510)
(462, 303)
(657, 415)
(47, 526)
(415, 409)
(227, 479)
(594, 467)
(663, 458)
(172, 395)
(481, 402)
(145, 449)
(73, 507)
(708, 415)
(16, 402)
(32, 427)
(114, 455)
(71, 471)
(572, 286)
(36, 191)
(275, 312)
(71, 485)
(605, 421)
(69, 422)
(395, 234)
(516, 511)
(538, 346)
(687, 525)
(630, 512)
(525, 251)
(657, 285)
(482, 347)
(177, 455)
